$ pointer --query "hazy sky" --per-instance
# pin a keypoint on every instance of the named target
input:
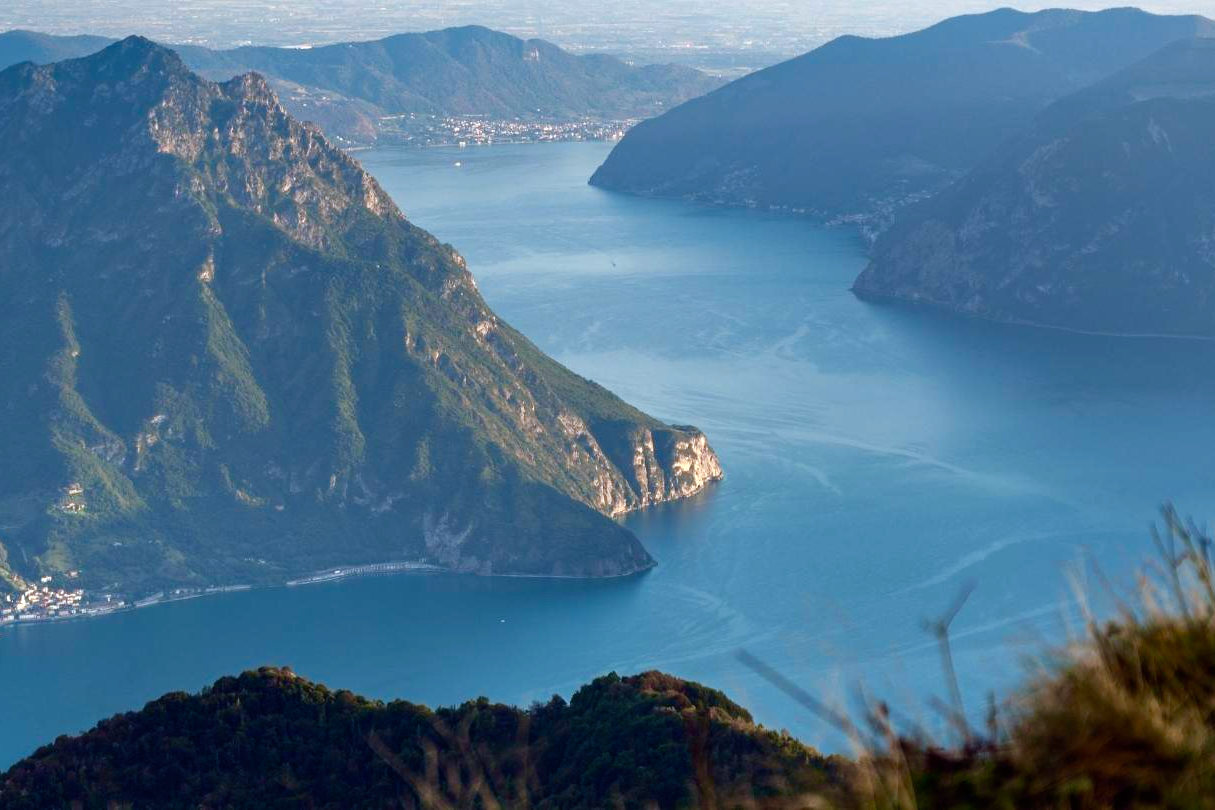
(780, 26)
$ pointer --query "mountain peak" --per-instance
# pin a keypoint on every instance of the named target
(252, 86)
(274, 352)
(355, 91)
(859, 128)
(133, 55)
(137, 44)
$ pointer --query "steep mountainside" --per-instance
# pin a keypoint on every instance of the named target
(272, 739)
(225, 356)
(1101, 218)
(349, 88)
(860, 127)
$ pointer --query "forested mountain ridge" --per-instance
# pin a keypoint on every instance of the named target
(269, 737)
(1100, 218)
(226, 356)
(360, 91)
(858, 128)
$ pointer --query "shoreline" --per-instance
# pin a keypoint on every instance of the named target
(371, 569)
(815, 218)
(403, 144)
(321, 577)
(110, 609)
(932, 306)
(337, 574)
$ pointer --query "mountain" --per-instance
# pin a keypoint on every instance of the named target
(1101, 218)
(31, 46)
(859, 127)
(360, 90)
(273, 739)
(470, 71)
(226, 356)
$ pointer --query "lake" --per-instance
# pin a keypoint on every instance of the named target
(879, 460)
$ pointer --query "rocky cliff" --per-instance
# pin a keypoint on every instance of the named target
(225, 355)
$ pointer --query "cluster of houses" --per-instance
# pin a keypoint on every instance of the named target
(43, 601)
(476, 130)
(72, 499)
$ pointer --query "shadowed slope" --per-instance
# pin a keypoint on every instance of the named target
(859, 127)
(1099, 218)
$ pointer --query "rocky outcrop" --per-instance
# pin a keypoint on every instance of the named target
(658, 465)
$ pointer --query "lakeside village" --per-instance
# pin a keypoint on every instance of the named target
(47, 600)
(50, 600)
(475, 130)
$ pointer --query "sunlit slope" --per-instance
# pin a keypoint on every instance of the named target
(226, 356)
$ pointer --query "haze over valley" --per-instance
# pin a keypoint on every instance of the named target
(461, 85)
(728, 36)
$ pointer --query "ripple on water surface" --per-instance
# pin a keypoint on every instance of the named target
(877, 460)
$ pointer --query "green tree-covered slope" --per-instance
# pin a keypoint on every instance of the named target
(860, 127)
(1099, 218)
(272, 739)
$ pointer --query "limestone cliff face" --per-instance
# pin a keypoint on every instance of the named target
(222, 331)
(659, 465)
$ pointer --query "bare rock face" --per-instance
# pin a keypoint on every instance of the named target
(224, 331)
(671, 464)
(693, 465)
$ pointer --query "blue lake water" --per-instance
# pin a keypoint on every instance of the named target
(878, 460)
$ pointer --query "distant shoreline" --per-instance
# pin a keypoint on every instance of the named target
(104, 610)
(400, 144)
(323, 576)
(348, 572)
(882, 298)
(162, 598)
